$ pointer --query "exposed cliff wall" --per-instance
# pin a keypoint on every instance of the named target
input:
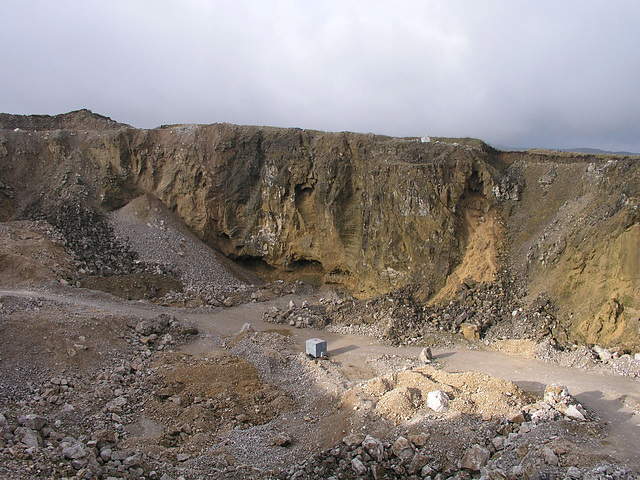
(370, 213)
(575, 233)
(367, 212)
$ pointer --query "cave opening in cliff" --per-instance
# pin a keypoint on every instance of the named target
(308, 271)
(253, 263)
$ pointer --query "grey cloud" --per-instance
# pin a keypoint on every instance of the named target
(556, 74)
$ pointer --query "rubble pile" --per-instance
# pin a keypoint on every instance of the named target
(39, 448)
(523, 445)
(74, 423)
(95, 248)
(487, 310)
(364, 456)
(479, 311)
(303, 316)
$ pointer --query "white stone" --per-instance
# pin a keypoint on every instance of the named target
(573, 412)
(604, 354)
(438, 401)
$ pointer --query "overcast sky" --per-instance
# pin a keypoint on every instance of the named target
(554, 73)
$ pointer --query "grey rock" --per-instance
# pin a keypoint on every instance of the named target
(573, 472)
(30, 438)
(417, 463)
(131, 462)
(498, 442)
(374, 448)
(475, 458)
(358, 467)
(73, 452)
(427, 471)
(517, 471)
(550, 456)
(353, 440)
(119, 455)
(105, 454)
(33, 421)
(3, 421)
(402, 449)
(78, 463)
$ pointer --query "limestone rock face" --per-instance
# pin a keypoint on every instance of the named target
(366, 212)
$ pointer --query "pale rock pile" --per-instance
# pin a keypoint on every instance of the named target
(514, 447)
(426, 392)
(160, 237)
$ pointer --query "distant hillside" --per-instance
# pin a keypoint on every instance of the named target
(593, 151)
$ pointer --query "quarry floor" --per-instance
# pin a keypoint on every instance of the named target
(615, 399)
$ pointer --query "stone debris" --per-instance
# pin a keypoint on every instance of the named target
(402, 459)
(438, 401)
(425, 356)
(304, 316)
(556, 398)
(475, 458)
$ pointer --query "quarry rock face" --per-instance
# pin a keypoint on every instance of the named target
(366, 212)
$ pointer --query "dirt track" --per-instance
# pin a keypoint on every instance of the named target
(607, 395)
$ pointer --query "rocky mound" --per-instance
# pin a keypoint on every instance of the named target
(160, 237)
(423, 390)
